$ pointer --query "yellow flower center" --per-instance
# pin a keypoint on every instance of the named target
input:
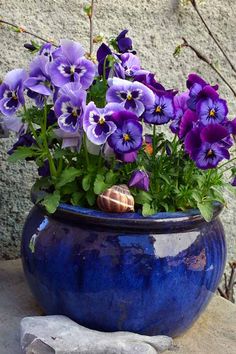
(74, 113)
(129, 96)
(212, 113)
(158, 109)
(126, 137)
(72, 69)
(101, 120)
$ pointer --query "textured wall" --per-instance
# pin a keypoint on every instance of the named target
(156, 27)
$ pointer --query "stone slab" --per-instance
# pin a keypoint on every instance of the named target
(213, 333)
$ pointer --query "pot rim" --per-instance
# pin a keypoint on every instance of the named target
(176, 221)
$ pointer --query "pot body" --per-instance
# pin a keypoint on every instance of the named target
(107, 278)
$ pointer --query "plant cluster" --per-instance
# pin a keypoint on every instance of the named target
(92, 123)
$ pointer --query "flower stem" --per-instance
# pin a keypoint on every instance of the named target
(91, 28)
(52, 167)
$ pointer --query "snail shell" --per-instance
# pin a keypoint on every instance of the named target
(116, 199)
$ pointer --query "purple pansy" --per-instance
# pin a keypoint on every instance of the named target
(47, 51)
(11, 92)
(187, 123)
(70, 139)
(161, 111)
(211, 111)
(25, 139)
(39, 83)
(127, 138)
(180, 105)
(124, 43)
(233, 182)
(139, 179)
(133, 96)
(98, 123)
(199, 89)
(130, 63)
(69, 107)
(44, 170)
(102, 53)
(70, 65)
(206, 146)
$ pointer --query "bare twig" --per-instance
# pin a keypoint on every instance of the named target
(228, 292)
(91, 27)
(209, 62)
(194, 4)
(23, 30)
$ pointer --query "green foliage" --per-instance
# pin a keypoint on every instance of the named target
(51, 201)
(21, 153)
(97, 93)
(67, 176)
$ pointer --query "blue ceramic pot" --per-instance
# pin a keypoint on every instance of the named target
(113, 272)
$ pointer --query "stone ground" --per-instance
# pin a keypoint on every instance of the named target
(156, 27)
(213, 333)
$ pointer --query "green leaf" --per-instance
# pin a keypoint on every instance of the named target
(206, 209)
(88, 10)
(111, 178)
(21, 153)
(86, 182)
(147, 210)
(143, 197)
(76, 198)
(68, 176)
(51, 201)
(99, 184)
(90, 197)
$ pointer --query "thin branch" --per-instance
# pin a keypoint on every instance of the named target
(207, 61)
(91, 27)
(221, 292)
(230, 288)
(194, 4)
(22, 30)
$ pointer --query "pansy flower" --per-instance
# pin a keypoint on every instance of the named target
(199, 89)
(98, 123)
(69, 107)
(38, 83)
(124, 43)
(11, 92)
(132, 96)
(70, 65)
(211, 111)
(188, 122)
(130, 63)
(127, 138)
(161, 111)
(71, 140)
(180, 105)
(139, 179)
(47, 51)
(206, 146)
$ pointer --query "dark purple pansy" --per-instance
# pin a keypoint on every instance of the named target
(139, 179)
(97, 122)
(162, 111)
(187, 123)
(70, 65)
(211, 111)
(206, 146)
(102, 53)
(132, 96)
(69, 107)
(23, 140)
(148, 79)
(199, 89)
(11, 92)
(124, 43)
(233, 182)
(231, 125)
(127, 137)
(44, 170)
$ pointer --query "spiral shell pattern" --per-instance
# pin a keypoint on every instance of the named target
(116, 199)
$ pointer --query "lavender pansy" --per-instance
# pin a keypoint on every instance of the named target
(127, 137)
(132, 96)
(69, 107)
(47, 51)
(180, 105)
(70, 139)
(98, 123)
(11, 92)
(211, 111)
(70, 65)
(139, 179)
(130, 63)
(161, 111)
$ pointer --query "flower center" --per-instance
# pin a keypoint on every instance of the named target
(72, 69)
(129, 96)
(126, 137)
(212, 113)
(210, 153)
(74, 112)
(158, 109)
(101, 120)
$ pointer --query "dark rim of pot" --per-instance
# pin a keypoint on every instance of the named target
(174, 221)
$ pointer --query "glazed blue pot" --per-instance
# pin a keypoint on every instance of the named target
(113, 272)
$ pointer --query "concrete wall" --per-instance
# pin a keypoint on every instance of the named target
(156, 27)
